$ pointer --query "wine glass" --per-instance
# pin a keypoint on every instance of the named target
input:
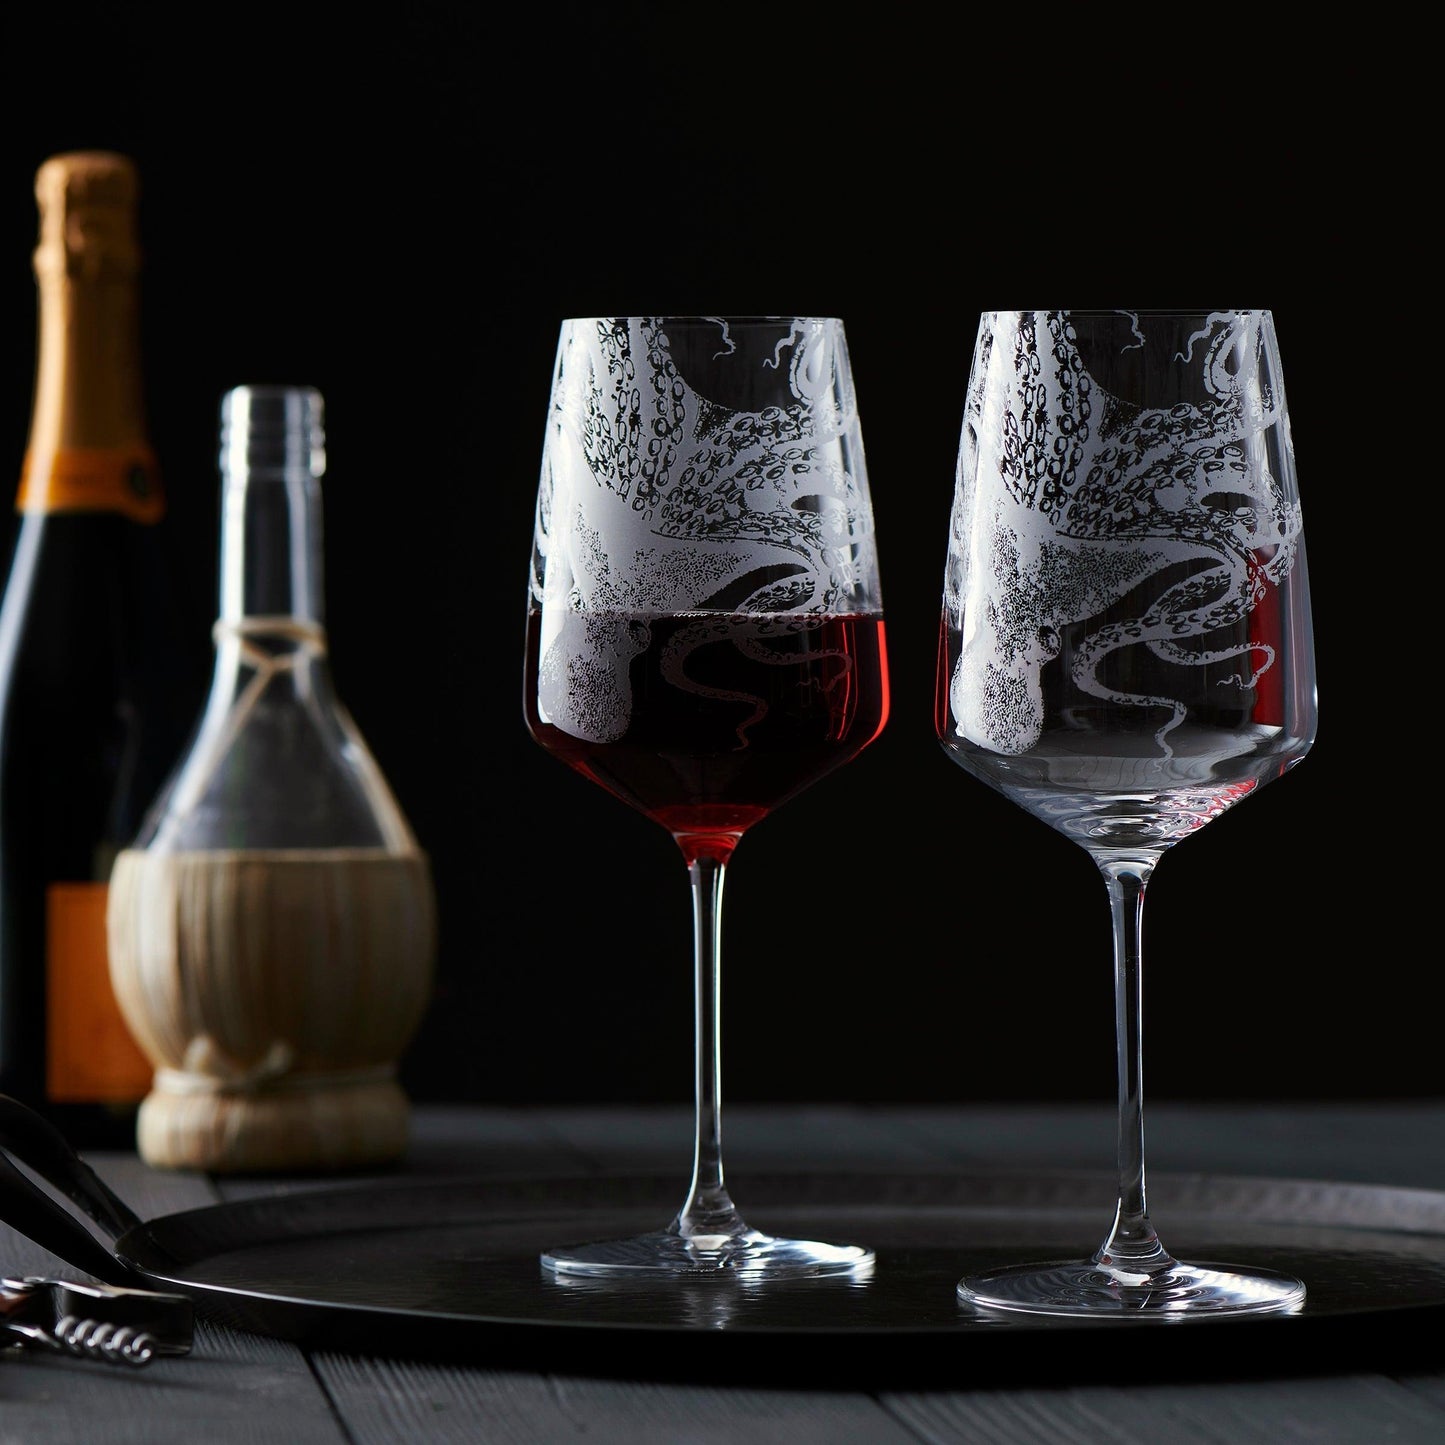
(704, 640)
(1126, 652)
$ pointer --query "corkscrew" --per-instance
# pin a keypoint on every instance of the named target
(110, 1323)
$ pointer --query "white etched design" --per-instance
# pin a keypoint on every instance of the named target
(692, 465)
(1084, 495)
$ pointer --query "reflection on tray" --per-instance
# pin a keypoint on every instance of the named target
(707, 1302)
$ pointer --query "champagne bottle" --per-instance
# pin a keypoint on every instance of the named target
(94, 704)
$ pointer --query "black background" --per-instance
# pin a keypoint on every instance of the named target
(401, 210)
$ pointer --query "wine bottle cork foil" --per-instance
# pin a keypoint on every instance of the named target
(88, 448)
(87, 202)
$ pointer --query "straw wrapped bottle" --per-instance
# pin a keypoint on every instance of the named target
(272, 928)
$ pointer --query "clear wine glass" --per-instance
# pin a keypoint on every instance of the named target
(1126, 652)
(704, 640)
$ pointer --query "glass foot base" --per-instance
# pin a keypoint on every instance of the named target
(1176, 1291)
(750, 1255)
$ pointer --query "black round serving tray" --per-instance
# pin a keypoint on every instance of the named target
(450, 1269)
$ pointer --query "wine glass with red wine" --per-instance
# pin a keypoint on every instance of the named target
(1127, 653)
(705, 641)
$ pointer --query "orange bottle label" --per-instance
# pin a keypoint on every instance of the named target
(94, 479)
(90, 1055)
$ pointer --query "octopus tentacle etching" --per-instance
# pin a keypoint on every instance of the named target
(745, 495)
(1089, 496)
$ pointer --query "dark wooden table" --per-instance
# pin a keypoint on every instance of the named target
(238, 1386)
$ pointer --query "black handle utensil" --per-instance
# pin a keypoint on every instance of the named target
(117, 1321)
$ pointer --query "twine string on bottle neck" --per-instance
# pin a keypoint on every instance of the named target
(310, 640)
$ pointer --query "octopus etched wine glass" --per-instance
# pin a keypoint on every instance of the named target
(705, 641)
(1126, 653)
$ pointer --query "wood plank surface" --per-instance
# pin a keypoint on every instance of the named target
(237, 1388)
(1340, 1410)
(399, 1403)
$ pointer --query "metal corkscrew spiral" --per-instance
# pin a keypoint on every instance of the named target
(99, 1339)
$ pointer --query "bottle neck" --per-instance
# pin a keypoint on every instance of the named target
(271, 549)
(272, 459)
(88, 447)
(88, 365)
(270, 634)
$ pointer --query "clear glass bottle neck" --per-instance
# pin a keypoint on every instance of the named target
(272, 460)
(271, 548)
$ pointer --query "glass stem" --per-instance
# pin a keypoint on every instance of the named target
(1132, 1246)
(708, 1212)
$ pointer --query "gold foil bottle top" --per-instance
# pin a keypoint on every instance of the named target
(87, 202)
(88, 448)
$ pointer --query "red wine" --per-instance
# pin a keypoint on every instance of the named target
(706, 722)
